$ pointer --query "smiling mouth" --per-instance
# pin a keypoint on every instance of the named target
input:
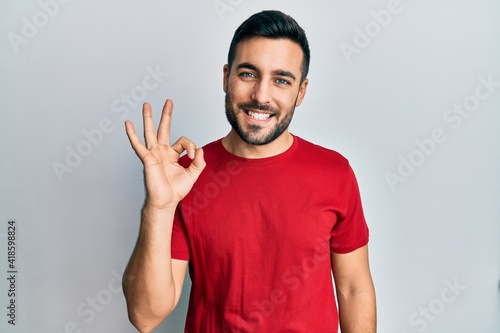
(258, 115)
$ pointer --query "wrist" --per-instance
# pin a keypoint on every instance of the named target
(157, 216)
(158, 211)
(152, 206)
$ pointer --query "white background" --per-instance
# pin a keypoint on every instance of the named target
(437, 225)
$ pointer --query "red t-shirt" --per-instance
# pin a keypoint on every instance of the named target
(258, 234)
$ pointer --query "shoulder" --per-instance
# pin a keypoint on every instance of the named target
(320, 155)
(325, 167)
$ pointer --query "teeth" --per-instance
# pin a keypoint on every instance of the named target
(258, 116)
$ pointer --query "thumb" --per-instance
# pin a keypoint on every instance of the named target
(197, 165)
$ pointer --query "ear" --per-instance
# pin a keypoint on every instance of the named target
(225, 78)
(302, 92)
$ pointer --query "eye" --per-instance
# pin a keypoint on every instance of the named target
(247, 75)
(282, 82)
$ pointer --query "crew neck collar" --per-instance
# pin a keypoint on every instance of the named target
(258, 161)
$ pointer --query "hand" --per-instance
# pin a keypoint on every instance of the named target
(167, 182)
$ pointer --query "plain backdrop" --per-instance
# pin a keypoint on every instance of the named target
(408, 91)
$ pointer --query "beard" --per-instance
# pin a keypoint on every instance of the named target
(255, 134)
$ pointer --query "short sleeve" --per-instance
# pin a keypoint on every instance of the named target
(180, 242)
(351, 231)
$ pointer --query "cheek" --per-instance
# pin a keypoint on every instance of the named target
(285, 99)
(239, 91)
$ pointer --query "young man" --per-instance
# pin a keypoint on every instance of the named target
(261, 217)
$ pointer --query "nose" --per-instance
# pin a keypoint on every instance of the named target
(261, 92)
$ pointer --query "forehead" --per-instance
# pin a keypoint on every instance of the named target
(270, 54)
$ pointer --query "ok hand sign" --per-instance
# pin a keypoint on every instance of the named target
(167, 182)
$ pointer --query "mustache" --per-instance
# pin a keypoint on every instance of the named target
(256, 106)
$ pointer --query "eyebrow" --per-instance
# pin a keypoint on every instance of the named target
(280, 72)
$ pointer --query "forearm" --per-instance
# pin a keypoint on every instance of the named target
(148, 282)
(357, 312)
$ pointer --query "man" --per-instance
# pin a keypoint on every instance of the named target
(261, 217)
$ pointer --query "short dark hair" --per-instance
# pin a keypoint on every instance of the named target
(271, 24)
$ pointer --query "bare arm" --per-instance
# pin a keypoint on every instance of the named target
(355, 291)
(152, 281)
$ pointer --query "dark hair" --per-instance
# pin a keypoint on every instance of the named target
(271, 24)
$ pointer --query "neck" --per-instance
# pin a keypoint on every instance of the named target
(236, 146)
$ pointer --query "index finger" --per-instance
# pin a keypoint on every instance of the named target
(165, 121)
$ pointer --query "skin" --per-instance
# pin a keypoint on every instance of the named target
(265, 72)
(355, 291)
(152, 281)
(264, 79)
